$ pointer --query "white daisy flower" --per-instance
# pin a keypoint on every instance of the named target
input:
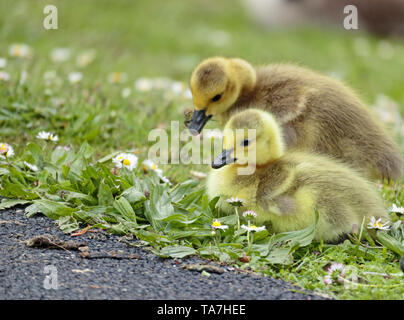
(47, 136)
(6, 151)
(144, 84)
(31, 166)
(249, 213)
(117, 77)
(252, 228)
(177, 87)
(3, 62)
(126, 92)
(85, 58)
(20, 51)
(335, 272)
(236, 202)
(150, 165)
(60, 54)
(337, 267)
(126, 160)
(377, 224)
(4, 76)
(396, 209)
(164, 179)
(216, 224)
(161, 83)
(75, 77)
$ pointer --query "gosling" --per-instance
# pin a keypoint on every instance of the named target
(317, 113)
(285, 188)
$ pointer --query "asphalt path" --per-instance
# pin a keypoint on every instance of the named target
(104, 266)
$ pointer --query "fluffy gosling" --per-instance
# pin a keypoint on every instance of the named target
(286, 187)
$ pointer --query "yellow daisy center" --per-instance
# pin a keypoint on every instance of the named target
(253, 227)
(216, 224)
(154, 166)
(17, 50)
(126, 162)
(116, 77)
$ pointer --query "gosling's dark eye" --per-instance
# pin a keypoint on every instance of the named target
(216, 97)
(245, 142)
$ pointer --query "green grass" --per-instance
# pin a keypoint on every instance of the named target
(167, 39)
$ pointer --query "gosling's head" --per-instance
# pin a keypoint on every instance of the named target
(252, 137)
(216, 84)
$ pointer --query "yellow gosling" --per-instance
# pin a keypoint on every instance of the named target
(286, 187)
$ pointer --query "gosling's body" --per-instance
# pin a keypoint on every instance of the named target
(317, 113)
(286, 188)
(285, 192)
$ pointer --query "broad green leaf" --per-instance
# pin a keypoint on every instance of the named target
(105, 196)
(160, 206)
(191, 198)
(32, 210)
(125, 209)
(390, 242)
(53, 209)
(36, 153)
(133, 195)
(58, 155)
(301, 237)
(9, 203)
(14, 190)
(67, 224)
(230, 220)
(4, 171)
(280, 256)
(180, 218)
(180, 190)
(177, 251)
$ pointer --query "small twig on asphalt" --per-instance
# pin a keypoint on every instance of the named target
(203, 267)
(46, 241)
(15, 222)
(85, 253)
(80, 232)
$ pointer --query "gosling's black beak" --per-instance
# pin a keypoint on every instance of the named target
(198, 121)
(223, 159)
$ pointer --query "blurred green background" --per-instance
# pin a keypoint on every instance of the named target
(158, 37)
